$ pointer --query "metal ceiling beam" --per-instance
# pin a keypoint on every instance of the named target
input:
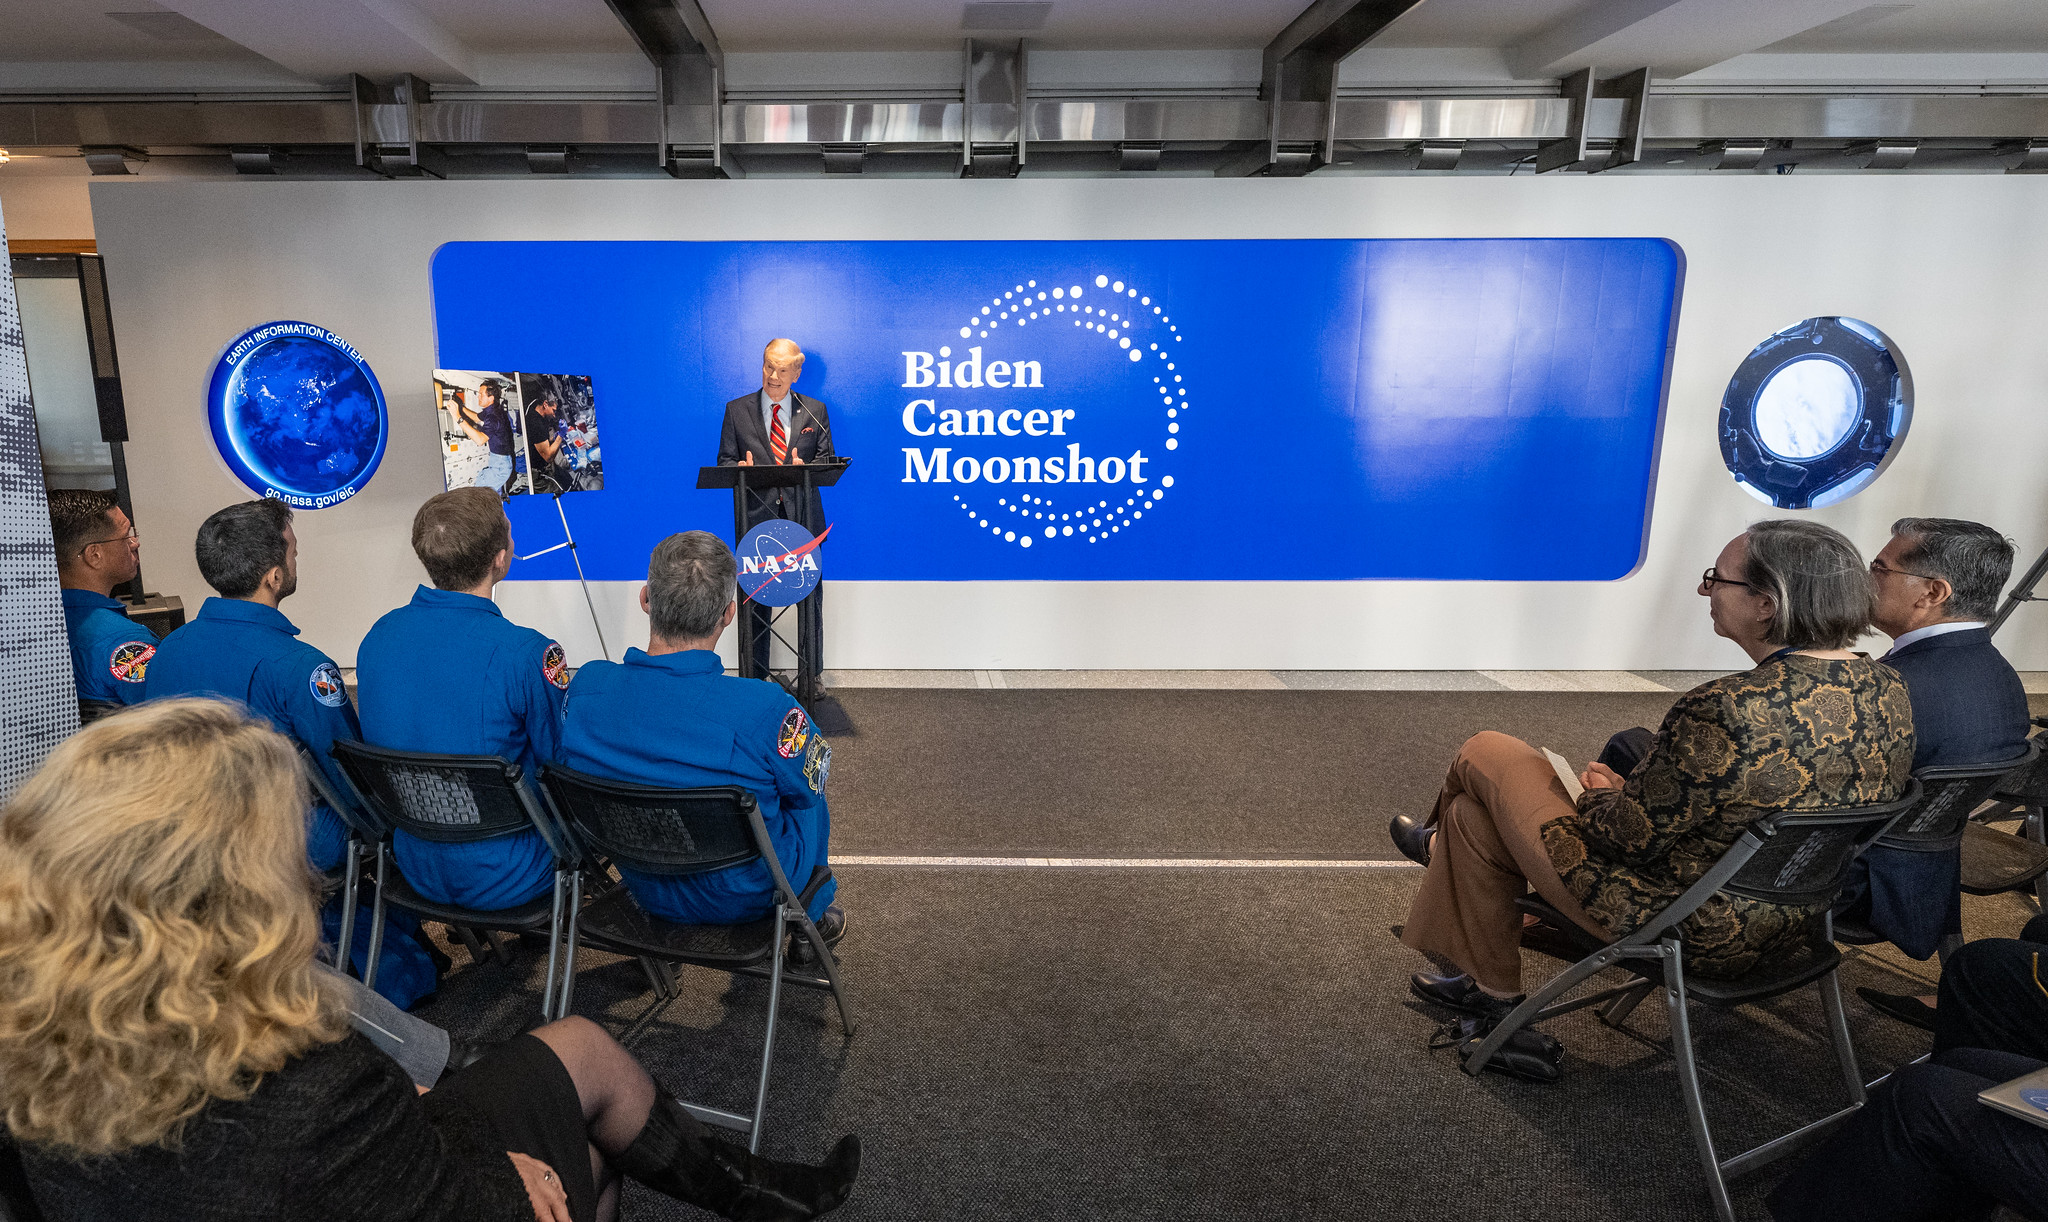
(689, 69)
(399, 128)
(1675, 36)
(1298, 80)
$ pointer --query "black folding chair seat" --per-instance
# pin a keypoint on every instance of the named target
(1797, 859)
(1995, 862)
(676, 833)
(1801, 965)
(462, 799)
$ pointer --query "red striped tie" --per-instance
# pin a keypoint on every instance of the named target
(778, 441)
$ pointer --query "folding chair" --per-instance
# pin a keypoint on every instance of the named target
(677, 832)
(1949, 794)
(363, 831)
(457, 799)
(1796, 858)
(1995, 862)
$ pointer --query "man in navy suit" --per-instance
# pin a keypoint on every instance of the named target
(776, 426)
(1937, 583)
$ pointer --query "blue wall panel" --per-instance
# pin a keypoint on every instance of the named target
(1311, 410)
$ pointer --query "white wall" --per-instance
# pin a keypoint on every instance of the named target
(1949, 266)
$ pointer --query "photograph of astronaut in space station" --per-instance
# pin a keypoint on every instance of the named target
(483, 443)
(561, 433)
(518, 433)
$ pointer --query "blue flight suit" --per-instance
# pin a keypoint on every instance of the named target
(110, 653)
(248, 652)
(680, 722)
(449, 674)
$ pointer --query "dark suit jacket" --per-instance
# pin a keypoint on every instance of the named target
(811, 434)
(1968, 708)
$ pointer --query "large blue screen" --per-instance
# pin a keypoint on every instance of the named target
(1213, 410)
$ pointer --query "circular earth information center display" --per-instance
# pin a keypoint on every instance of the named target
(1816, 413)
(297, 415)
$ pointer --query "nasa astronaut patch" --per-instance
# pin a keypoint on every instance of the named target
(325, 682)
(130, 661)
(555, 665)
(790, 740)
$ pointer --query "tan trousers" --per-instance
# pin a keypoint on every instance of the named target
(1487, 853)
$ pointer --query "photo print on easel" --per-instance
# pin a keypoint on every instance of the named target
(561, 432)
(482, 442)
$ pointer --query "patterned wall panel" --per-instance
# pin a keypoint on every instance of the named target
(38, 703)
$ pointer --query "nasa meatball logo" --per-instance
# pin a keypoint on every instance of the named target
(779, 563)
(297, 415)
(1053, 415)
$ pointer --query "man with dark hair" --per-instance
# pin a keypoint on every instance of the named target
(97, 550)
(240, 647)
(544, 444)
(1937, 583)
(449, 674)
(672, 717)
(492, 427)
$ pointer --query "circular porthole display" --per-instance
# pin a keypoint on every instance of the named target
(1816, 413)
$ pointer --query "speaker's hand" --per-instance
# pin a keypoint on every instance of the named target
(748, 461)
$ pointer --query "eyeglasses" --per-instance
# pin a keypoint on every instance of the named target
(116, 539)
(1712, 578)
(1879, 568)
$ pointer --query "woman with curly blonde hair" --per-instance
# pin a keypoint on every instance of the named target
(168, 1050)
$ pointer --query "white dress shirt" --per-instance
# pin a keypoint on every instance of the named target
(1921, 634)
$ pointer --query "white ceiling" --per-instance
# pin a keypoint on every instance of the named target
(502, 43)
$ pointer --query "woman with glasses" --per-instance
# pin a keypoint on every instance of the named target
(1809, 726)
(168, 1051)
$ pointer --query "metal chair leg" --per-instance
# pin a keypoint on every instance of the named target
(1556, 987)
(1616, 1012)
(1838, 1035)
(831, 965)
(658, 978)
(568, 987)
(768, 1044)
(547, 992)
(376, 948)
(1689, 1082)
(350, 881)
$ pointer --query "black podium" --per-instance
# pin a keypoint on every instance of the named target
(809, 645)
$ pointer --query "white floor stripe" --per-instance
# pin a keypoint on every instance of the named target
(1129, 863)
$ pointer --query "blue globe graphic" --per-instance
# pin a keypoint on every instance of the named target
(304, 416)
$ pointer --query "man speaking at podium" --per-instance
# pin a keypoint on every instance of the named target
(779, 426)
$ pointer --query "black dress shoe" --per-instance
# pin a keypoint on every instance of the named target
(1411, 838)
(1460, 993)
(1907, 1009)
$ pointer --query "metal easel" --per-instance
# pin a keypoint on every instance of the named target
(569, 541)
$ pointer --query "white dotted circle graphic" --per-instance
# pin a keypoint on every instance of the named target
(1131, 322)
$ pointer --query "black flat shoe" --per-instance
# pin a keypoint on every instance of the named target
(831, 927)
(1909, 1010)
(1411, 838)
(1460, 993)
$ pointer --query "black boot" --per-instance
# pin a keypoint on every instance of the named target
(676, 1156)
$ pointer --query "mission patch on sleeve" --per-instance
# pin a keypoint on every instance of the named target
(325, 682)
(817, 764)
(130, 661)
(795, 729)
(555, 665)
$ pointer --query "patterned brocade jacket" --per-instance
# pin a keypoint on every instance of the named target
(1797, 733)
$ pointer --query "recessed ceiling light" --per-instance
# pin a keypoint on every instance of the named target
(1006, 15)
(4, 157)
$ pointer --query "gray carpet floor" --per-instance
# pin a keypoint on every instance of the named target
(1191, 1044)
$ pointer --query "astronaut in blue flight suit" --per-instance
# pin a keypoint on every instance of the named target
(449, 674)
(241, 647)
(97, 550)
(670, 716)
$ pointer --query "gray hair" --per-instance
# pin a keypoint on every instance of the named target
(1972, 558)
(1816, 577)
(690, 579)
